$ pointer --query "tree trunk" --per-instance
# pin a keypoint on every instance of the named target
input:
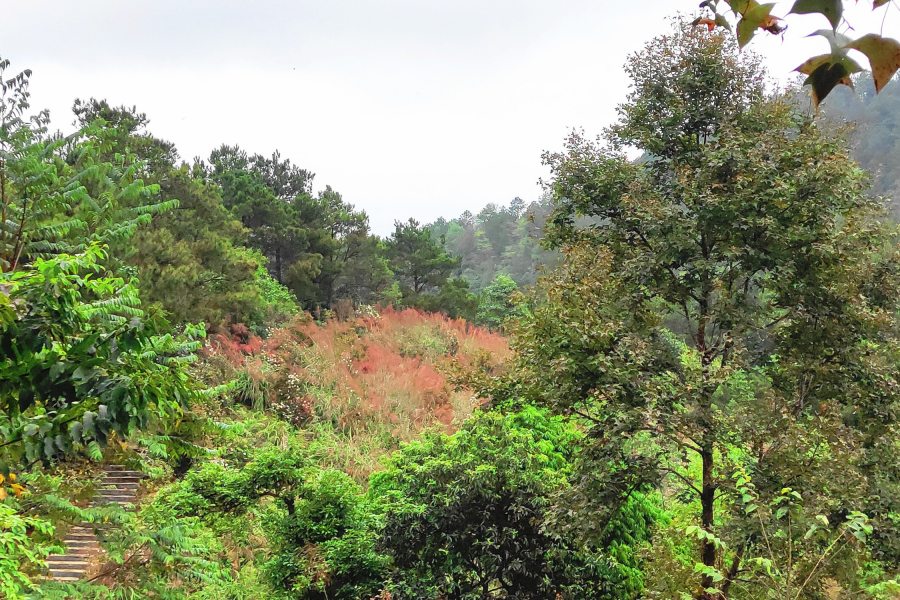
(278, 266)
(707, 516)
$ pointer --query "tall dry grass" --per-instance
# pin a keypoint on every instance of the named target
(360, 385)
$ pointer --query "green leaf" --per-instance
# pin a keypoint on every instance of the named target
(832, 9)
(94, 451)
(758, 17)
(826, 72)
(883, 54)
(742, 6)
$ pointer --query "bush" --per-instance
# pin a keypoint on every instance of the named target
(467, 516)
(325, 545)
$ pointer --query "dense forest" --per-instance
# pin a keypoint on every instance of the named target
(672, 377)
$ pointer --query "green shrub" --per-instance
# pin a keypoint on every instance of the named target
(467, 516)
(326, 546)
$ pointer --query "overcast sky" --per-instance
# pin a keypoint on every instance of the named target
(407, 107)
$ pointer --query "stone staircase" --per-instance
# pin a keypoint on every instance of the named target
(118, 486)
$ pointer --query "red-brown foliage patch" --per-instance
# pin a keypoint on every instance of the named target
(370, 375)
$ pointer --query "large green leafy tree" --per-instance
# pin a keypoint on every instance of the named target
(81, 360)
(78, 357)
(467, 517)
(732, 309)
(62, 194)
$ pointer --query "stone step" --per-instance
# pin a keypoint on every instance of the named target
(92, 543)
(80, 552)
(120, 486)
(116, 494)
(87, 536)
(65, 558)
(89, 528)
(78, 573)
(64, 563)
(117, 486)
(83, 552)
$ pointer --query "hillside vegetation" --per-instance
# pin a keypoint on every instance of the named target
(697, 397)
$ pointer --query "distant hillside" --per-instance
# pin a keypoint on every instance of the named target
(875, 133)
(499, 240)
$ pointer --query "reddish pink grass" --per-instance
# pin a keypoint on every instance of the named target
(368, 373)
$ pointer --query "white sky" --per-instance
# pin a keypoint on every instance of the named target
(409, 108)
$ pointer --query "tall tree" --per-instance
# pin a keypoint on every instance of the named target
(731, 309)
(78, 357)
(419, 261)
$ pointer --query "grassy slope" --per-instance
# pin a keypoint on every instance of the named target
(345, 393)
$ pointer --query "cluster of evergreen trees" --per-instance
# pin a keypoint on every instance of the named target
(500, 241)
(244, 238)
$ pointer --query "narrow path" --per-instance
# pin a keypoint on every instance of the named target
(118, 486)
